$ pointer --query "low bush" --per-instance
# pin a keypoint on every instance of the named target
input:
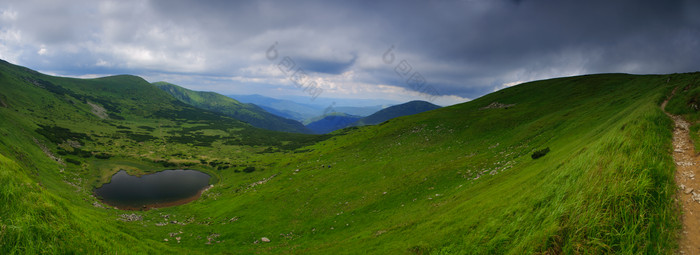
(540, 153)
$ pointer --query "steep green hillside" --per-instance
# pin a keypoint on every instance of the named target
(249, 113)
(456, 180)
(413, 107)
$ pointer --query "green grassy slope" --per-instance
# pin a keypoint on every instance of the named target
(454, 180)
(249, 113)
(413, 107)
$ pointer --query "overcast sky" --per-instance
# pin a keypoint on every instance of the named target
(443, 51)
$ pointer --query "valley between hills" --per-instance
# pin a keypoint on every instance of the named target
(462, 179)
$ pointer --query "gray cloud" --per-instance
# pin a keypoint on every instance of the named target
(461, 48)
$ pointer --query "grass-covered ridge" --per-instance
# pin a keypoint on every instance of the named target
(458, 179)
(249, 113)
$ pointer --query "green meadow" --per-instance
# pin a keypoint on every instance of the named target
(455, 180)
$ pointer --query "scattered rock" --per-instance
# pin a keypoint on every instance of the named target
(688, 190)
(98, 110)
(98, 205)
(211, 237)
(130, 217)
(48, 152)
(496, 105)
(74, 144)
(265, 240)
(261, 182)
(696, 196)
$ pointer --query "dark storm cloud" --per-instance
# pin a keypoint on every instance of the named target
(461, 48)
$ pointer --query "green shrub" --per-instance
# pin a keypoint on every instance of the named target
(103, 155)
(73, 161)
(540, 153)
(249, 169)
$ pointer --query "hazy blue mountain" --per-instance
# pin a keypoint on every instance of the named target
(331, 122)
(281, 107)
(410, 108)
(308, 112)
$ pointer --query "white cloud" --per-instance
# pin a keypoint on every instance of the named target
(42, 50)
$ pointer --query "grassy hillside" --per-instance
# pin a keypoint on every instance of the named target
(464, 174)
(413, 107)
(249, 113)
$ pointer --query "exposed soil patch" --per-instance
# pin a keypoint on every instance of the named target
(687, 168)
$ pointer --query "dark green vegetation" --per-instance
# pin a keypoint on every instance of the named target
(330, 122)
(458, 179)
(410, 108)
(249, 113)
(539, 153)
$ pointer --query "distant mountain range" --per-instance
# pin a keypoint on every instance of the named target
(410, 108)
(306, 113)
(331, 122)
(289, 116)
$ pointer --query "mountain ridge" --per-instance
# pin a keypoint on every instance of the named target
(249, 113)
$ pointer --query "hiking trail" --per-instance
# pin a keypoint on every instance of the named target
(687, 167)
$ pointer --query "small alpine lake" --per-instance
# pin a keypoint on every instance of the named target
(161, 189)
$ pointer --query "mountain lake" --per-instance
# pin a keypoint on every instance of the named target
(161, 189)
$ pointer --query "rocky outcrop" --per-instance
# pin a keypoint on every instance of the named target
(496, 105)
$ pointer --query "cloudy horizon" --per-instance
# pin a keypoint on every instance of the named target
(446, 52)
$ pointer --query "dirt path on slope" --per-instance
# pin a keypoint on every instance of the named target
(687, 167)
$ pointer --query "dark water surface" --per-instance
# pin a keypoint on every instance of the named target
(165, 188)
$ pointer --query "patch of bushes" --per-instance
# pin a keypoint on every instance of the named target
(147, 128)
(73, 161)
(82, 153)
(249, 169)
(115, 116)
(59, 134)
(169, 164)
(540, 153)
(103, 155)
